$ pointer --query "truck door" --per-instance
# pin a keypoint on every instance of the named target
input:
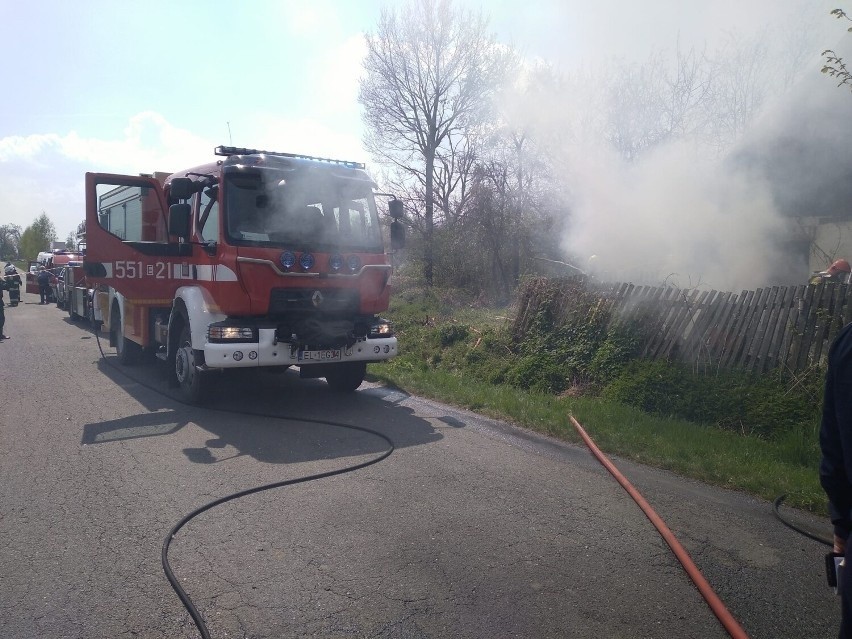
(32, 271)
(127, 242)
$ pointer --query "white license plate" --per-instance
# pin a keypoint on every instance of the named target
(328, 355)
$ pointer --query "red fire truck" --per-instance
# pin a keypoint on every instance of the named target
(77, 296)
(259, 259)
(54, 261)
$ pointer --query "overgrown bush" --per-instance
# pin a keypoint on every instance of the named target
(620, 346)
(572, 339)
(763, 405)
(446, 330)
(542, 372)
(449, 334)
(574, 345)
(489, 357)
(651, 386)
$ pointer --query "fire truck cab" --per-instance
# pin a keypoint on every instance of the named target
(259, 259)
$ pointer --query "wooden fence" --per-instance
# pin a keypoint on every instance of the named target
(789, 328)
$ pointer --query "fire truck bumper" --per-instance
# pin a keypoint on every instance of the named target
(266, 352)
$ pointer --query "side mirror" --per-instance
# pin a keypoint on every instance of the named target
(395, 209)
(181, 188)
(397, 235)
(179, 218)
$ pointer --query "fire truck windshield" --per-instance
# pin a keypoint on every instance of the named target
(306, 210)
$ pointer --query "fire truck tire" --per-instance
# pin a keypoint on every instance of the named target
(128, 352)
(346, 377)
(90, 314)
(190, 381)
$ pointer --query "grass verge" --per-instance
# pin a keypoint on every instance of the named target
(764, 467)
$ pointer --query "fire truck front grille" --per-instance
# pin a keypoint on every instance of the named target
(324, 300)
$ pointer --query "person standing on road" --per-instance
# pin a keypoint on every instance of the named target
(4, 285)
(43, 280)
(835, 470)
(13, 279)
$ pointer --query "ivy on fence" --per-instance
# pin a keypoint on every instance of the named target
(788, 328)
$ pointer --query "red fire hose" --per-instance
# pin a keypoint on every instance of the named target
(735, 630)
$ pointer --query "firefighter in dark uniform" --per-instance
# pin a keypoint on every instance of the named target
(5, 284)
(13, 278)
(835, 471)
(43, 279)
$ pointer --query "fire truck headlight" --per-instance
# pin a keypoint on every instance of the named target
(335, 262)
(353, 263)
(219, 333)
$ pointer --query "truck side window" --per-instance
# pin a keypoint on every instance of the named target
(131, 213)
(247, 207)
(329, 232)
(208, 215)
(342, 221)
(120, 212)
(360, 222)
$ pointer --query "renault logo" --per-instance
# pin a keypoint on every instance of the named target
(316, 299)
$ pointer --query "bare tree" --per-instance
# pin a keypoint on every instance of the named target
(512, 205)
(430, 71)
(741, 80)
(686, 91)
(635, 107)
(710, 97)
(498, 213)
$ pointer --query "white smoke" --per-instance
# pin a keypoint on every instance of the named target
(708, 206)
(676, 218)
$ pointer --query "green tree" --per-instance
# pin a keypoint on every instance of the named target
(37, 237)
(10, 241)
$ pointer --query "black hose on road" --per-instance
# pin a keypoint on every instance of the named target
(777, 504)
(167, 569)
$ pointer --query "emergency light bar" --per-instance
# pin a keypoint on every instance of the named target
(235, 150)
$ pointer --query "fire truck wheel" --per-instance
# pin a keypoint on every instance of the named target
(189, 378)
(128, 352)
(90, 315)
(346, 377)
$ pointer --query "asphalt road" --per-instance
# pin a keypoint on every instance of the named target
(471, 528)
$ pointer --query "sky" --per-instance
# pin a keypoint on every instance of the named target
(140, 87)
